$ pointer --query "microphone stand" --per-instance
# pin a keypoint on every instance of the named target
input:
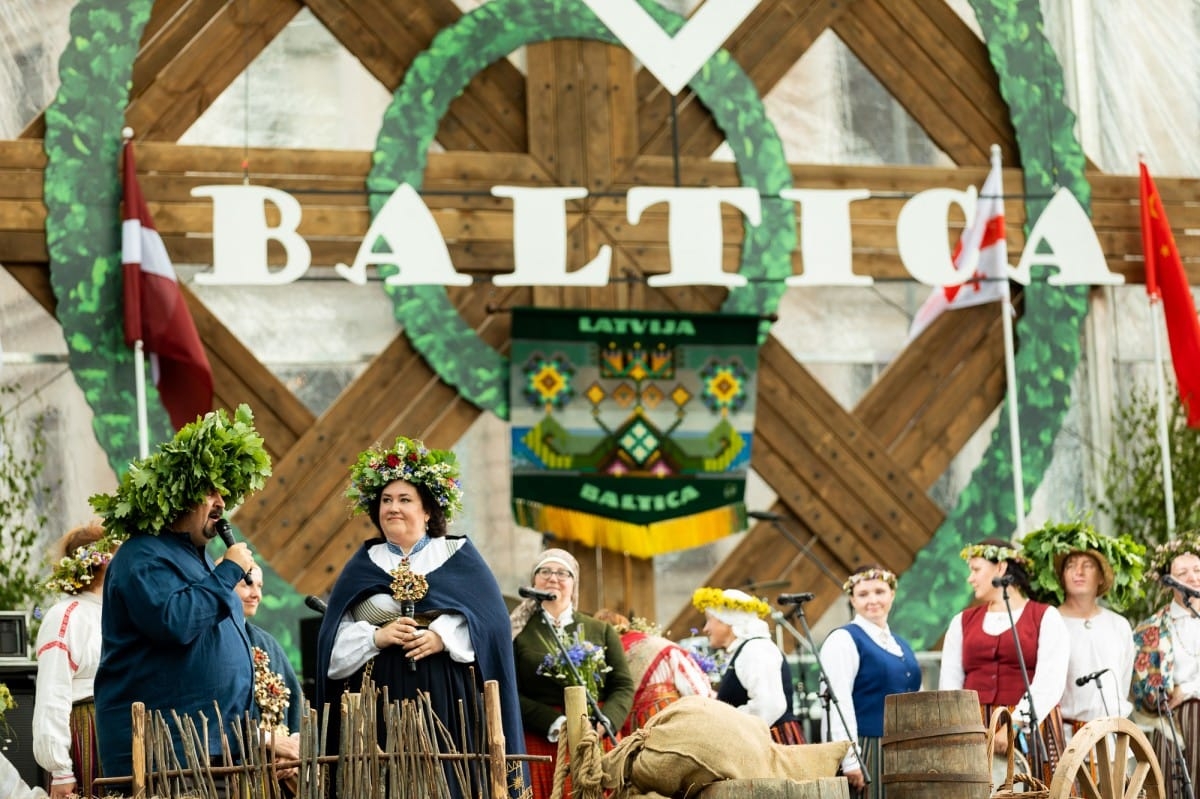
(593, 705)
(1037, 749)
(1180, 774)
(807, 640)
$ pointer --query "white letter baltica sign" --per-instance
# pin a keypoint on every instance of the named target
(1062, 238)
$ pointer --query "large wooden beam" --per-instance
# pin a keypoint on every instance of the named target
(938, 69)
(766, 45)
(960, 364)
(386, 36)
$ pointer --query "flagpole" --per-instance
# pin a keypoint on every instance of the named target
(139, 372)
(1010, 373)
(139, 380)
(1164, 438)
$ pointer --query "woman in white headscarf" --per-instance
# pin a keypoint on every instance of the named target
(757, 678)
(541, 678)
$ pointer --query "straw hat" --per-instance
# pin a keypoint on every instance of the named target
(1106, 569)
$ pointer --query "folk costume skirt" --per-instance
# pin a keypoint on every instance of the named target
(85, 753)
(1187, 725)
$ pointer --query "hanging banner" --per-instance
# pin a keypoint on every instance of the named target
(632, 430)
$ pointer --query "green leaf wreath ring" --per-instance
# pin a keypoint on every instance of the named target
(440, 74)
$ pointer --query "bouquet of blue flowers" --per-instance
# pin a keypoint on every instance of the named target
(585, 656)
(711, 661)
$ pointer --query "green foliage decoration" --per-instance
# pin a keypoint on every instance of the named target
(211, 452)
(1132, 493)
(82, 192)
(1048, 333)
(1126, 556)
(24, 497)
(487, 34)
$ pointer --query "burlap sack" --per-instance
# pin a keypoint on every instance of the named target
(697, 741)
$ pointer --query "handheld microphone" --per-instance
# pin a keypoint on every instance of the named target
(1005, 580)
(225, 531)
(316, 603)
(1187, 591)
(1087, 678)
(533, 593)
(764, 516)
(795, 599)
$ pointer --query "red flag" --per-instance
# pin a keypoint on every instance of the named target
(1165, 280)
(981, 253)
(157, 314)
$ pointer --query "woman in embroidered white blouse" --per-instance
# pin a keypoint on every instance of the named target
(68, 652)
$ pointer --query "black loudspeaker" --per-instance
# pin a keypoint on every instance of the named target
(309, 627)
(17, 740)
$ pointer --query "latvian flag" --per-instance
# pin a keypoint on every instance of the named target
(157, 314)
(981, 254)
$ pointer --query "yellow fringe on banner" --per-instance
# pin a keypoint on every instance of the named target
(638, 540)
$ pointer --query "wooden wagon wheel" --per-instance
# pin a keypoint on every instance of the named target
(1113, 740)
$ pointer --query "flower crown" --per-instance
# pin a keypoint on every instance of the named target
(411, 461)
(1162, 555)
(75, 572)
(870, 574)
(706, 598)
(993, 552)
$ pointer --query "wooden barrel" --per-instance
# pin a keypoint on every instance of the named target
(935, 746)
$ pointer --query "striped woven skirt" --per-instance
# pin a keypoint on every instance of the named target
(870, 756)
(1187, 724)
(84, 753)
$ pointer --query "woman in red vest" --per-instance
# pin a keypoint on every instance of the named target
(979, 653)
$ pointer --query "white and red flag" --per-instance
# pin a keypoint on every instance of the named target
(981, 255)
(157, 314)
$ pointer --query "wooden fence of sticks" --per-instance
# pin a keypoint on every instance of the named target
(421, 758)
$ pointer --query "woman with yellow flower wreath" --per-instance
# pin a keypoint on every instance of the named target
(68, 653)
(979, 653)
(757, 678)
(865, 662)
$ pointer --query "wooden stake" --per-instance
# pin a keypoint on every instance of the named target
(139, 750)
(497, 768)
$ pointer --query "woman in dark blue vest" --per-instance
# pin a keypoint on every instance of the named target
(865, 662)
(757, 678)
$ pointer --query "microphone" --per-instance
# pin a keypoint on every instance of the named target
(316, 603)
(1005, 580)
(795, 599)
(1188, 592)
(533, 593)
(764, 516)
(225, 530)
(1087, 678)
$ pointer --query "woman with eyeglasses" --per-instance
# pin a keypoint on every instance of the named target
(541, 672)
(1166, 669)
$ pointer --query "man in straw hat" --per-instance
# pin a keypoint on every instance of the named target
(1101, 641)
(174, 637)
